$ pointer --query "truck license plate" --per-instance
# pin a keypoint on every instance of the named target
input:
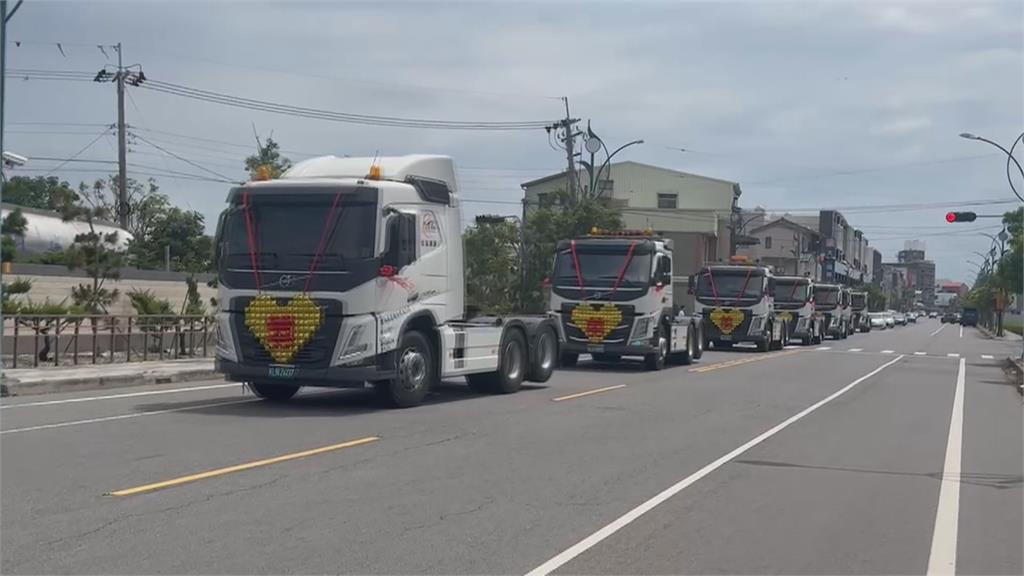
(595, 348)
(280, 371)
(725, 337)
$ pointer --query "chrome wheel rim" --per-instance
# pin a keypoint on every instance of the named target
(412, 369)
(512, 360)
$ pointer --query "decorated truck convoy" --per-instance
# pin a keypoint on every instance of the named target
(832, 307)
(612, 296)
(348, 271)
(735, 301)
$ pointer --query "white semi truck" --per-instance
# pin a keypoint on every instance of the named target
(735, 300)
(832, 308)
(612, 295)
(794, 305)
(349, 271)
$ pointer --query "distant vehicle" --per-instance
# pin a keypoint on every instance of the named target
(735, 301)
(912, 317)
(832, 307)
(949, 317)
(969, 317)
(900, 318)
(890, 319)
(794, 305)
(877, 320)
(933, 314)
(859, 307)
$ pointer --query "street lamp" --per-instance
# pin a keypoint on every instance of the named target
(1009, 157)
(607, 161)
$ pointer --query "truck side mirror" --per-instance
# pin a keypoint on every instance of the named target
(691, 284)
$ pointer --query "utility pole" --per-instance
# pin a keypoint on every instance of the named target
(122, 147)
(123, 77)
(568, 138)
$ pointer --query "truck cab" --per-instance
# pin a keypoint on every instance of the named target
(612, 295)
(832, 308)
(348, 271)
(794, 305)
(735, 303)
(859, 312)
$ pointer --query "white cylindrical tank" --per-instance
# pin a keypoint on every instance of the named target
(46, 232)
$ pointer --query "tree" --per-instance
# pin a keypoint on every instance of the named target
(14, 224)
(875, 298)
(492, 261)
(558, 219)
(39, 192)
(17, 287)
(1010, 270)
(191, 250)
(145, 202)
(95, 253)
(268, 157)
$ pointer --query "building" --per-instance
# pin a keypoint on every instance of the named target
(951, 287)
(876, 268)
(897, 285)
(843, 248)
(789, 247)
(695, 212)
(921, 269)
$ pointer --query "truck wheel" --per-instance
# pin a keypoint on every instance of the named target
(569, 359)
(844, 331)
(686, 356)
(656, 360)
(778, 344)
(414, 372)
(765, 343)
(607, 358)
(511, 370)
(545, 354)
(273, 392)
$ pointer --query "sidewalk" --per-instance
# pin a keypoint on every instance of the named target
(25, 381)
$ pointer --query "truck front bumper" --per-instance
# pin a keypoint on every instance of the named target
(383, 368)
(635, 349)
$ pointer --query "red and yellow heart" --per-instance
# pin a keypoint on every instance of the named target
(596, 322)
(283, 330)
(726, 319)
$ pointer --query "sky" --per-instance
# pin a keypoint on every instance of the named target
(806, 105)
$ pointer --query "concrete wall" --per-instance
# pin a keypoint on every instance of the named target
(55, 283)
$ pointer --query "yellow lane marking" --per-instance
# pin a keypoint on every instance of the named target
(739, 361)
(241, 467)
(588, 393)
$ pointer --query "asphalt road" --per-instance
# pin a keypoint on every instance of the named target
(894, 452)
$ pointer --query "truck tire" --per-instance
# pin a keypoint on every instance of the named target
(765, 343)
(273, 392)
(656, 360)
(606, 358)
(414, 372)
(544, 357)
(686, 357)
(569, 359)
(511, 369)
(780, 343)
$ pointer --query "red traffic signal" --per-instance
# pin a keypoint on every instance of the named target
(952, 217)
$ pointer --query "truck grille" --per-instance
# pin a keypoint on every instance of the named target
(597, 322)
(315, 354)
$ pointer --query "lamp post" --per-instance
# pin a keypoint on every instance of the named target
(5, 17)
(607, 164)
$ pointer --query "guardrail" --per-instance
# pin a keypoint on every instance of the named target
(67, 340)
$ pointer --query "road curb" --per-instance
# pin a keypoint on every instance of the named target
(1015, 368)
(12, 387)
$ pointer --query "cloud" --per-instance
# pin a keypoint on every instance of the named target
(903, 126)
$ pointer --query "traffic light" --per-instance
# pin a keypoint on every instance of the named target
(952, 217)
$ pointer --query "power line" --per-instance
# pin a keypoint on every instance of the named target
(172, 175)
(870, 170)
(185, 160)
(81, 151)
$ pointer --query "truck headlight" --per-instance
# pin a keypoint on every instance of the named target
(225, 340)
(756, 324)
(358, 342)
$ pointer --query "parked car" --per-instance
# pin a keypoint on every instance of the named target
(933, 314)
(877, 320)
(900, 318)
(912, 317)
(890, 319)
(949, 317)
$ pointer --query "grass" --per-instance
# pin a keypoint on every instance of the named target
(1015, 327)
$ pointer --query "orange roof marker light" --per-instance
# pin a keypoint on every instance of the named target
(595, 231)
(739, 260)
(374, 173)
(263, 173)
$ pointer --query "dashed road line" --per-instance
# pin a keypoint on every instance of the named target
(241, 467)
(823, 348)
(856, 350)
(588, 393)
(887, 351)
(987, 357)
(740, 361)
(942, 559)
(126, 395)
(961, 331)
(940, 329)
(920, 353)
(953, 355)
(126, 416)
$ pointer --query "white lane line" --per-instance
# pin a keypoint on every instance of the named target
(961, 331)
(856, 350)
(590, 541)
(987, 357)
(887, 351)
(953, 355)
(942, 559)
(920, 353)
(116, 396)
(823, 348)
(941, 328)
(792, 346)
(125, 416)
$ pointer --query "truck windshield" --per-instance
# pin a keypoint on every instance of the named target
(729, 285)
(286, 231)
(858, 301)
(789, 291)
(602, 269)
(826, 297)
